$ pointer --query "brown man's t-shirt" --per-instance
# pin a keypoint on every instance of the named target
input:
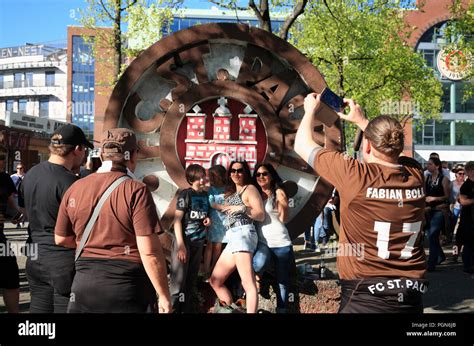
(382, 211)
(128, 212)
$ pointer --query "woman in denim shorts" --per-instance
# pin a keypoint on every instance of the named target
(243, 205)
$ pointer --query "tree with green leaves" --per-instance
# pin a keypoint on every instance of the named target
(460, 37)
(144, 19)
(268, 10)
(360, 48)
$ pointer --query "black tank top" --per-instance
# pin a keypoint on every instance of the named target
(435, 188)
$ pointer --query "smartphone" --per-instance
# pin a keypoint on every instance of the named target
(332, 100)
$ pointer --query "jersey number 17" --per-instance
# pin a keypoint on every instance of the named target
(383, 237)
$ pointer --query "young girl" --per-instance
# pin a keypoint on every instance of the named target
(217, 230)
(243, 205)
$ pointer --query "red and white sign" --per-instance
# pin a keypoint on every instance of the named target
(221, 149)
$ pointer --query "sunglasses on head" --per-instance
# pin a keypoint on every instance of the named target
(238, 171)
(262, 174)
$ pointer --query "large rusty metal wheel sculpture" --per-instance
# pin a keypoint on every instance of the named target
(174, 95)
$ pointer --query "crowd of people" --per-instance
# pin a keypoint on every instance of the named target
(98, 234)
(445, 198)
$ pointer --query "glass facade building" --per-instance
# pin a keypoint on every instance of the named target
(191, 19)
(454, 133)
(82, 96)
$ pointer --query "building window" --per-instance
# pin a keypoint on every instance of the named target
(44, 107)
(18, 80)
(430, 57)
(468, 105)
(29, 79)
(465, 132)
(22, 106)
(10, 105)
(83, 67)
(446, 98)
(1, 81)
(49, 81)
(442, 133)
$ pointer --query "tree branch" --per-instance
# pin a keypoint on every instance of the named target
(329, 45)
(228, 6)
(265, 12)
(297, 11)
(361, 58)
(106, 10)
(325, 60)
(384, 82)
(330, 12)
(130, 4)
(256, 11)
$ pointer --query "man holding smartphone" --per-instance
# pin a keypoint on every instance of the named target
(382, 209)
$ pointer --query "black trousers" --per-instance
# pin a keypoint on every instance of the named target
(111, 286)
(50, 278)
(382, 295)
(184, 275)
(9, 273)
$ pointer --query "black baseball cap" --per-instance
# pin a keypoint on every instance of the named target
(70, 134)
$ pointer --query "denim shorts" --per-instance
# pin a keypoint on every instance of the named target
(241, 239)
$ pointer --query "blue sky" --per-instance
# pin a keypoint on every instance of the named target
(45, 21)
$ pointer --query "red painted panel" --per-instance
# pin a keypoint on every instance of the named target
(236, 108)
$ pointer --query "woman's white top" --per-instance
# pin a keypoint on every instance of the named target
(272, 231)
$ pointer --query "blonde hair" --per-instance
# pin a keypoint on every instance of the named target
(386, 135)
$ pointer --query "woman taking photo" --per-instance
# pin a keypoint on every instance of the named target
(274, 243)
(437, 209)
(243, 205)
(382, 207)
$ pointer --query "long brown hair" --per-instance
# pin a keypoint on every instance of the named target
(386, 135)
(217, 175)
(230, 185)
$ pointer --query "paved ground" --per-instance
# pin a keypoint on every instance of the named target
(451, 290)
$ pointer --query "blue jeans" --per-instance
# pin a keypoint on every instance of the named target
(436, 224)
(327, 223)
(282, 258)
(456, 213)
(321, 227)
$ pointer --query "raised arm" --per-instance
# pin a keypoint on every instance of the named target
(282, 205)
(304, 142)
(305, 146)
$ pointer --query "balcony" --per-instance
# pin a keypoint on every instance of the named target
(30, 64)
(30, 88)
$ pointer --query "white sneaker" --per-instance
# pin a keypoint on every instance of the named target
(317, 250)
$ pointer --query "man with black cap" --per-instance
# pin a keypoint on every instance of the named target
(50, 275)
(120, 264)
